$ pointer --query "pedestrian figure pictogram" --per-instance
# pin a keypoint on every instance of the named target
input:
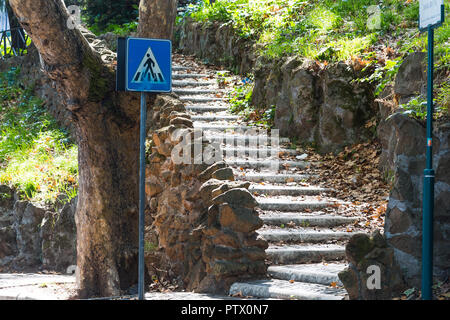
(149, 70)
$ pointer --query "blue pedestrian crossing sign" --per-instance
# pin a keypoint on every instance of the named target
(148, 65)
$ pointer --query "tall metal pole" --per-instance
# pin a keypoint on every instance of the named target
(142, 194)
(428, 184)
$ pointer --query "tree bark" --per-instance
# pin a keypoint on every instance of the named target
(157, 18)
(107, 131)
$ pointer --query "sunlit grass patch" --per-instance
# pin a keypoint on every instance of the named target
(43, 171)
(324, 19)
(348, 47)
(36, 156)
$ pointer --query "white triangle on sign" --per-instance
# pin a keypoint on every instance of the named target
(149, 70)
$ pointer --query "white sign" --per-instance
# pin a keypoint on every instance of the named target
(430, 13)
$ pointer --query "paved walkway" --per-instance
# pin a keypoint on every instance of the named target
(33, 286)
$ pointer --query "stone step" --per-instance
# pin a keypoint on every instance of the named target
(328, 221)
(320, 273)
(205, 108)
(220, 127)
(177, 76)
(179, 68)
(310, 253)
(215, 118)
(286, 205)
(304, 235)
(182, 84)
(191, 92)
(286, 190)
(253, 152)
(200, 100)
(274, 178)
(265, 163)
(282, 289)
(241, 139)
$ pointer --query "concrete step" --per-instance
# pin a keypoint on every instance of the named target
(263, 151)
(274, 178)
(205, 108)
(182, 84)
(304, 235)
(200, 100)
(252, 152)
(286, 190)
(310, 253)
(215, 118)
(191, 92)
(240, 140)
(179, 68)
(325, 221)
(320, 273)
(282, 289)
(177, 76)
(220, 127)
(265, 163)
(286, 205)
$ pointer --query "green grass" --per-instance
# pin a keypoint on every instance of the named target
(240, 100)
(36, 157)
(336, 30)
(119, 29)
(308, 28)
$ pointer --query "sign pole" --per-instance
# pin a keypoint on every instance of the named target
(143, 132)
(143, 65)
(428, 184)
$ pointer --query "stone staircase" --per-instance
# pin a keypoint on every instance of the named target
(306, 244)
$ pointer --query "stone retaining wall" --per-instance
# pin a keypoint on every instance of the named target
(321, 105)
(32, 236)
(404, 142)
(217, 44)
(203, 223)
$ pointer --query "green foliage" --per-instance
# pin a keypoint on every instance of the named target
(110, 15)
(417, 107)
(382, 74)
(443, 97)
(240, 99)
(308, 28)
(330, 30)
(122, 30)
(150, 247)
(36, 156)
(6, 50)
(419, 42)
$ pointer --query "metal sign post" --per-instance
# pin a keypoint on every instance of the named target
(431, 17)
(143, 65)
(142, 136)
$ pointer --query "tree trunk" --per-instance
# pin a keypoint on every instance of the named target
(157, 18)
(107, 215)
(107, 131)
